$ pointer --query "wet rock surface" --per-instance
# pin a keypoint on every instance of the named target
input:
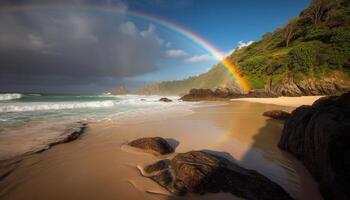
(277, 114)
(319, 135)
(164, 99)
(201, 172)
(71, 134)
(156, 145)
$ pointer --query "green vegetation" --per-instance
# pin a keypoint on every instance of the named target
(213, 78)
(313, 45)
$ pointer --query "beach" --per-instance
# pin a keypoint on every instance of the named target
(99, 165)
(283, 101)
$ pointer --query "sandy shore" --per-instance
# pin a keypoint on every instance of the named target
(283, 101)
(97, 167)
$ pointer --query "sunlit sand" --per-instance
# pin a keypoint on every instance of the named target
(283, 101)
(98, 166)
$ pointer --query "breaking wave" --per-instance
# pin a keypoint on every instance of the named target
(24, 107)
(10, 96)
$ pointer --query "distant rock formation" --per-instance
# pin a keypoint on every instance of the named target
(120, 90)
(201, 172)
(319, 135)
(155, 145)
(164, 99)
(277, 114)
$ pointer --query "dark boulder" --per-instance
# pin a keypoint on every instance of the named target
(198, 94)
(277, 114)
(319, 135)
(155, 145)
(164, 99)
(200, 172)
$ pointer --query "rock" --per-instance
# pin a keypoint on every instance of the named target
(200, 172)
(120, 90)
(277, 114)
(199, 94)
(164, 99)
(71, 134)
(307, 87)
(222, 94)
(319, 135)
(156, 145)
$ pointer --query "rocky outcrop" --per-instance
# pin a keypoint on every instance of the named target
(164, 99)
(319, 135)
(156, 145)
(120, 90)
(277, 114)
(307, 87)
(201, 172)
(221, 94)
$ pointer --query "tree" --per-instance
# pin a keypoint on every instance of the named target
(318, 9)
(289, 31)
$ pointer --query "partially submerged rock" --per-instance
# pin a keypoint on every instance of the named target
(200, 172)
(319, 135)
(70, 134)
(277, 114)
(164, 99)
(156, 145)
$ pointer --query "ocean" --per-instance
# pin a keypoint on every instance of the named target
(30, 121)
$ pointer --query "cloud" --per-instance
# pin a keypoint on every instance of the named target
(200, 58)
(72, 49)
(129, 28)
(174, 53)
(150, 33)
(242, 44)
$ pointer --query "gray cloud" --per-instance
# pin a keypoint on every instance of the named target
(72, 49)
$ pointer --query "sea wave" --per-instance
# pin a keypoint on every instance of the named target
(25, 107)
(10, 96)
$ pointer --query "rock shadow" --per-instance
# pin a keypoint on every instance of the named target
(173, 143)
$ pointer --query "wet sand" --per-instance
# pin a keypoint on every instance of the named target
(98, 167)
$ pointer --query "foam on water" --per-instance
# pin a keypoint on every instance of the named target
(25, 107)
(30, 115)
(10, 96)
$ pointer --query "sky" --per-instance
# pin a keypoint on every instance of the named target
(91, 46)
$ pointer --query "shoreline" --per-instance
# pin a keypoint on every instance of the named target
(96, 165)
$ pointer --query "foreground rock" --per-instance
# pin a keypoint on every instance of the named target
(200, 172)
(277, 114)
(164, 99)
(222, 94)
(319, 135)
(155, 145)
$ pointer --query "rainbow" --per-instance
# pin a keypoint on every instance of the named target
(230, 66)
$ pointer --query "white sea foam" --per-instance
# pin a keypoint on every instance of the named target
(10, 96)
(24, 107)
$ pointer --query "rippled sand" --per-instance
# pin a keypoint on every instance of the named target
(98, 167)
